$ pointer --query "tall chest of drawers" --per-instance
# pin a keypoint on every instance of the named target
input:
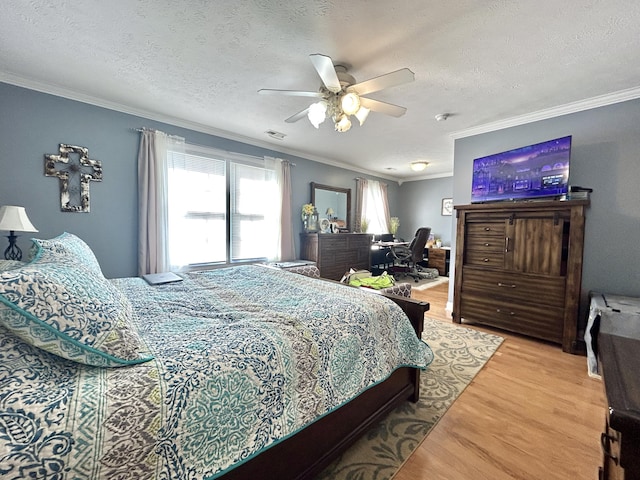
(336, 253)
(518, 266)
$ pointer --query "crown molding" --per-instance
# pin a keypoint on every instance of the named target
(567, 108)
(59, 91)
(573, 107)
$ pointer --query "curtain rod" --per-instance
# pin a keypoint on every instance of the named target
(146, 129)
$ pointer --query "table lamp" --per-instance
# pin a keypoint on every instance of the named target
(330, 213)
(14, 219)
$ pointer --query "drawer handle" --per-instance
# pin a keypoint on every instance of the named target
(487, 244)
(485, 260)
(509, 313)
(604, 443)
(509, 285)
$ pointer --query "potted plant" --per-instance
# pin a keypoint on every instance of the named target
(394, 223)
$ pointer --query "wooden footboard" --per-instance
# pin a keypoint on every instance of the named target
(307, 453)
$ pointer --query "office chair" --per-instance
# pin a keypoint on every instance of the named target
(411, 256)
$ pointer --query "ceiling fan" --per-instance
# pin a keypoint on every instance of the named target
(340, 96)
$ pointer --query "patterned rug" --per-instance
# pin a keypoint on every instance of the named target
(460, 353)
(429, 283)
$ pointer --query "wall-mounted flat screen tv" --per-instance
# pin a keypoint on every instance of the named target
(534, 171)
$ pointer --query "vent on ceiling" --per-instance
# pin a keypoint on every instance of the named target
(274, 134)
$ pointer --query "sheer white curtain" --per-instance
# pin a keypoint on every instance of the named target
(375, 206)
(153, 253)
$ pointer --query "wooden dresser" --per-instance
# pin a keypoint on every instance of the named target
(519, 267)
(619, 364)
(336, 253)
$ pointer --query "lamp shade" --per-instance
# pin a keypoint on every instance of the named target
(362, 114)
(14, 219)
(350, 103)
(317, 113)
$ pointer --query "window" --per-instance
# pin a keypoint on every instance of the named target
(374, 207)
(217, 211)
(250, 219)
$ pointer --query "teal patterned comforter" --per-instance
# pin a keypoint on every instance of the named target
(243, 357)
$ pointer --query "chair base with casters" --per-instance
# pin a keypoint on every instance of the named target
(407, 258)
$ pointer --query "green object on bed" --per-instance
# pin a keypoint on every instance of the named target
(379, 282)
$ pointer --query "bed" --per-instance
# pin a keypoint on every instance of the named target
(242, 372)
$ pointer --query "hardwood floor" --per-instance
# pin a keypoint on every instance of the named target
(531, 413)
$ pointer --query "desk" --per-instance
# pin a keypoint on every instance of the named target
(379, 251)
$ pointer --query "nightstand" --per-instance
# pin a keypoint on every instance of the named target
(439, 258)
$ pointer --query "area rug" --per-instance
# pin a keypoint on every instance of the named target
(459, 354)
(426, 283)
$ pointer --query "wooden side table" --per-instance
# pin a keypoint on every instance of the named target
(439, 258)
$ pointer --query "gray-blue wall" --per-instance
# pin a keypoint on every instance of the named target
(606, 157)
(606, 151)
(33, 124)
(420, 205)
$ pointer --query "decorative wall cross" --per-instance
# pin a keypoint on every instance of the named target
(74, 196)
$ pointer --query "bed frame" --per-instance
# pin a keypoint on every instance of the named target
(307, 453)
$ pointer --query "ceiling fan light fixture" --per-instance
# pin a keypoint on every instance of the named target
(362, 114)
(317, 113)
(343, 124)
(419, 166)
(350, 103)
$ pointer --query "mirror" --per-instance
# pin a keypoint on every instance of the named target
(337, 199)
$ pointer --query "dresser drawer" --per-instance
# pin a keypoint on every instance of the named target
(538, 289)
(328, 242)
(610, 446)
(486, 243)
(528, 319)
(487, 259)
(437, 258)
(485, 230)
(359, 241)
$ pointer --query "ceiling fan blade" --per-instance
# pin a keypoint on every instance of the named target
(326, 70)
(297, 116)
(404, 75)
(295, 93)
(382, 107)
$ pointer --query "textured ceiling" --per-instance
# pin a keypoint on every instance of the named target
(199, 64)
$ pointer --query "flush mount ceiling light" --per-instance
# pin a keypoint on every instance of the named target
(419, 166)
(340, 96)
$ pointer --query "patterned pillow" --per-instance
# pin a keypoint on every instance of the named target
(66, 247)
(70, 311)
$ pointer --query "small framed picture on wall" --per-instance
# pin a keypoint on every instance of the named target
(447, 206)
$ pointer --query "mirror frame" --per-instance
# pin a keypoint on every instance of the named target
(315, 186)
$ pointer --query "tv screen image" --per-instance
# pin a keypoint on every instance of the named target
(534, 171)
